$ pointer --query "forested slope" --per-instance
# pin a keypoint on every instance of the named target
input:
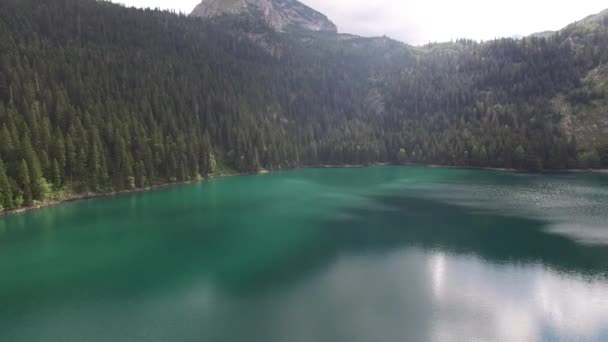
(97, 97)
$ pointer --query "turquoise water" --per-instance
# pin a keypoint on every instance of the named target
(374, 254)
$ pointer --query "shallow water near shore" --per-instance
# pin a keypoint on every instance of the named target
(369, 254)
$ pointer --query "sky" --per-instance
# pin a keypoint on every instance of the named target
(419, 22)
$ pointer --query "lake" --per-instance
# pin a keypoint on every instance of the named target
(371, 254)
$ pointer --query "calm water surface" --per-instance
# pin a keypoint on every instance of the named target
(375, 254)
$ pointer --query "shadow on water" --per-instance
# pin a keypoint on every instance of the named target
(394, 221)
(397, 222)
(496, 238)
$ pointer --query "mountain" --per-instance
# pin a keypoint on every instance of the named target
(96, 97)
(589, 23)
(599, 18)
(278, 14)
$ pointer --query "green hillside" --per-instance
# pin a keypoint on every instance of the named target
(95, 97)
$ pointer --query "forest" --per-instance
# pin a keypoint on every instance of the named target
(96, 97)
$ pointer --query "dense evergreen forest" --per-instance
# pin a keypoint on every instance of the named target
(95, 97)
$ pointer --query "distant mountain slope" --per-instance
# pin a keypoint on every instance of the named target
(599, 18)
(279, 14)
(591, 22)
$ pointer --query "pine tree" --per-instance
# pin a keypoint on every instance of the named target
(6, 143)
(212, 168)
(58, 149)
(519, 156)
(93, 167)
(56, 175)
(253, 161)
(124, 177)
(70, 157)
(6, 193)
(38, 186)
(603, 152)
(140, 174)
(25, 183)
(80, 168)
(402, 156)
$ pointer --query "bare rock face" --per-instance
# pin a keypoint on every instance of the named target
(279, 14)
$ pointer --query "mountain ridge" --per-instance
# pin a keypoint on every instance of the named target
(591, 22)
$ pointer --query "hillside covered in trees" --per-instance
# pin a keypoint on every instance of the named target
(95, 97)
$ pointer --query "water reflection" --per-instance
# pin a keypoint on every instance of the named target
(437, 271)
(569, 205)
(415, 295)
(474, 300)
(385, 254)
(501, 237)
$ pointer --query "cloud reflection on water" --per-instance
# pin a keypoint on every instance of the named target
(474, 300)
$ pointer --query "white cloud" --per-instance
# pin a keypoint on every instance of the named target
(421, 21)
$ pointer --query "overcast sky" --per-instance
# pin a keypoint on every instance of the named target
(422, 21)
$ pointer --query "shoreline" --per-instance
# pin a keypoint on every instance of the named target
(480, 168)
(502, 169)
(95, 195)
(92, 195)
(88, 196)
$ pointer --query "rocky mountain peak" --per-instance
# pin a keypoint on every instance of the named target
(279, 14)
